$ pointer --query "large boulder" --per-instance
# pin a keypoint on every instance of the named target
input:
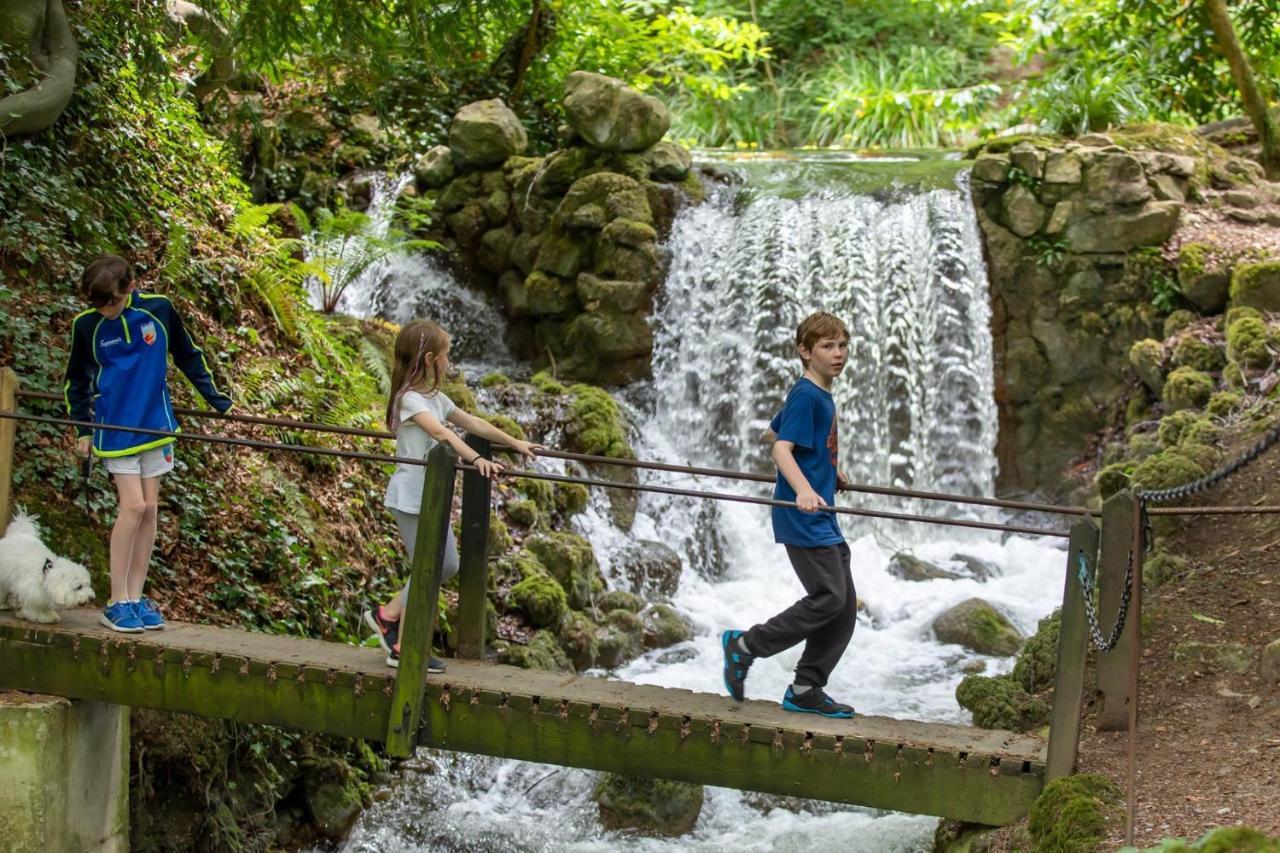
(620, 639)
(979, 627)
(1257, 286)
(485, 133)
(650, 568)
(611, 115)
(1115, 232)
(668, 161)
(648, 806)
(571, 561)
(664, 626)
(909, 568)
(435, 168)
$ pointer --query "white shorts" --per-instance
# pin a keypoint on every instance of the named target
(148, 463)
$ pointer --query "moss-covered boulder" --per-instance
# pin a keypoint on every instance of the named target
(1174, 427)
(907, 567)
(1203, 277)
(334, 798)
(571, 561)
(611, 335)
(541, 652)
(1038, 659)
(620, 639)
(1074, 814)
(546, 294)
(1166, 470)
(540, 598)
(485, 133)
(999, 703)
(594, 424)
(577, 636)
(1257, 285)
(664, 626)
(649, 568)
(1177, 321)
(1147, 359)
(500, 540)
(668, 161)
(1250, 342)
(1162, 567)
(1192, 352)
(1224, 403)
(435, 168)
(1112, 478)
(611, 115)
(648, 806)
(524, 512)
(619, 599)
(1224, 839)
(611, 294)
(1187, 388)
(977, 626)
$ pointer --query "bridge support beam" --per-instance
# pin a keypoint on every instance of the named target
(65, 766)
(1119, 553)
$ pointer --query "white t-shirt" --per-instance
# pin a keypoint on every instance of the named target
(404, 491)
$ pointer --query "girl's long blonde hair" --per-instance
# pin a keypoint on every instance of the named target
(409, 370)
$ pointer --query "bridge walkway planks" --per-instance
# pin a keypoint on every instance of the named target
(959, 772)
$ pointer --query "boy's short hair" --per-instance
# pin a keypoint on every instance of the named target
(819, 325)
(104, 279)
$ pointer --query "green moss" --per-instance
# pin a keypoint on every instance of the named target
(455, 388)
(1190, 351)
(494, 380)
(1257, 285)
(499, 537)
(571, 498)
(999, 703)
(1224, 403)
(1037, 661)
(595, 424)
(1202, 431)
(1191, 260)
(1137, 409)
(506, 424)
(1204, 456)
(619, 599)
(1239, 312)
(1174, 427)
(541, 652)
(570, 560)
(541, 599)
(1233, 376)
(546, 383)
(541, 492)
(1177, 321)
(648, 806)
(577, 635)
(1228, 839)
(1112, 479)
(524, 512)
(1247, 342)
(1187, 388)
(1162, 567)
(1147, 360)
(1165, 470)
(1072, 814)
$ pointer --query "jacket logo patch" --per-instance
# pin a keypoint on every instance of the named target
(149, 333)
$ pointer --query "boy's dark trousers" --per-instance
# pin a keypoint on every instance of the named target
(824, 619)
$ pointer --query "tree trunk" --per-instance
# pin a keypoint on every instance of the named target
(37, 31)
(1255, 104)
(222, 66)
(526, 52)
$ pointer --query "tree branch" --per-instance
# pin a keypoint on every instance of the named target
(38, 107)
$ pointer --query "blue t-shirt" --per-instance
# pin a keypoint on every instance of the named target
(808, 420)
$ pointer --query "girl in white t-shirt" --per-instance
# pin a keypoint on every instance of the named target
(417, 413)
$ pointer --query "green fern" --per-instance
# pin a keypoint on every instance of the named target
(375, 361)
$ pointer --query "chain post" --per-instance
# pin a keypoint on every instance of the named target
(8, 428)
(419, 619)
(473, 557)
(1114, 579)
(1073, 644)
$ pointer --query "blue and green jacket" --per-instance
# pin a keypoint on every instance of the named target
(116, 371)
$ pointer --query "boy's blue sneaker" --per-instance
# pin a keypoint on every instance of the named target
(123, 617)
(148, 614)
(736, 664)
(816, 701)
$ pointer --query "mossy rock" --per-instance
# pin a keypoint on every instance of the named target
(499, 536)
(650, 568)
(541, 599)
(1177, 321)
(541, 492)
(999, 703)
(1233, 376)
(621, 638)
(549, 295)
(1224, 839)
(595, 425)
(1137, 409)
(455, 388)
(571, 498)
(1162, 567)
(524, 512)
(627, 232)
(1174, 427)
(1038, 659)
(1257, 285)
(1202, 431)
(333, 803)
(506, 424)
(494, 380)
(546, 383)
(611, 335)
(1248, 340)
(1113, 478)
(578, 637)
(541, 652)
(908, 567)
(1224, 403)
(1147, 360)
(1074, 814)
(1190, 351)
(619, 599)
(1202, 283)
(571, 561)
(1187, 388)
(657, 807)
(664, 626)
(1166, 470)
(977, 626)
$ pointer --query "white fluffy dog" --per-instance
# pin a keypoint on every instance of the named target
(34, 580)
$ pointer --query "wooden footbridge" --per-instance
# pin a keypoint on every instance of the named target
(976, 775)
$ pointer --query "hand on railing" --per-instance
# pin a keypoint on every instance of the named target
(487, 468)
(527, 449)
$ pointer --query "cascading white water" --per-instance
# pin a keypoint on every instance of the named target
(904, 269)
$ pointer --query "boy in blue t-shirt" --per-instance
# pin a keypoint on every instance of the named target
(805, 451)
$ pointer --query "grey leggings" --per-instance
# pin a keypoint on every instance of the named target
(408, 524)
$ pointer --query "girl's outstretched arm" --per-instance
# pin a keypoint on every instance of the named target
(484, 429)
(441, 433)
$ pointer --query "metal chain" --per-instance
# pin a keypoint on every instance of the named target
(1091, 611)
(1188, 489)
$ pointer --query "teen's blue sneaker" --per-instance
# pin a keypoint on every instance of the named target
(736, 664)
(816, 701)
(123, 617)
(148, 614)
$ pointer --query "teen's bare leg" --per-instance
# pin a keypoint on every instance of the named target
(144, 539)
(131, 509)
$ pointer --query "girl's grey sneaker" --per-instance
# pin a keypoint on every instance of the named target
(386, 630)
(816, 701)
(123, 617)
(434, 664)
(148, 614)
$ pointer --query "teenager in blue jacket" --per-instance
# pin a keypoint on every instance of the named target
(120, 351)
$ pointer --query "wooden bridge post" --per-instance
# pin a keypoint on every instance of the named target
(1118, 528)
(1073, 646)
(419, 620)
(474, 557)
(8, 428)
